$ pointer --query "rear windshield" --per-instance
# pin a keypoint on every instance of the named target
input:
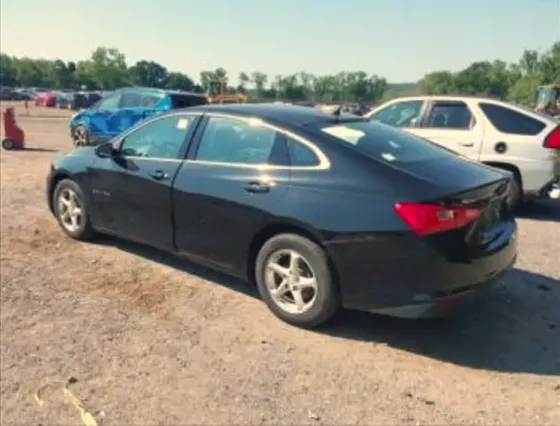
(386, 143)
(185, 101)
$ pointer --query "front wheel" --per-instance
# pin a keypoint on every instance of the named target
(80, 136)
(295, 281)
(70, 209)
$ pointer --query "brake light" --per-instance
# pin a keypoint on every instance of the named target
(553, 139)
(427, 219)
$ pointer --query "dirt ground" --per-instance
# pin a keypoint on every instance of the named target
(156, 340)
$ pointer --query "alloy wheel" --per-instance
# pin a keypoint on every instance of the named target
(69, 210)
(291, 281)
(80, 136)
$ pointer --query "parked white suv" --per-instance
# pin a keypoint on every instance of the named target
(494, 132)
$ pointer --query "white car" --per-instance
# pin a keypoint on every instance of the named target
(494, 132)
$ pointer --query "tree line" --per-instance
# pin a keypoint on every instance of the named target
(107, 69)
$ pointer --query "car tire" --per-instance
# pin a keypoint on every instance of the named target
(71, 210)
(80, 135)
(8, 144)
(515, 198)
(313, 297)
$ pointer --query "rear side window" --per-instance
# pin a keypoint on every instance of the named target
(386, 143)
(301, 155)
(509, 121)
(228, 140)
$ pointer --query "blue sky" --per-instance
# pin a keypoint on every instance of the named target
(398, 39)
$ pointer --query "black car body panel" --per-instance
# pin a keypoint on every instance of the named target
(213, 214)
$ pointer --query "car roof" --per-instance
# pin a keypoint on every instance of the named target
(157, 90)
(449, 97)
(281, 113)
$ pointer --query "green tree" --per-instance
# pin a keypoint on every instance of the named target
(179, 81)
(149, 74)
(108, 68)
(259, 80)
(8, 71)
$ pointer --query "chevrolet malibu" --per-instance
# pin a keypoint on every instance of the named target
(319, 211)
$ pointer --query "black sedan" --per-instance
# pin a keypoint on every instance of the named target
(320, 211)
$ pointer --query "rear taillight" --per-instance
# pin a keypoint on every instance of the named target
(426, 219)
(553, 139)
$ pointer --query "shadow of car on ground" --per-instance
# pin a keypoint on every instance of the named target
(545, 210)
(514, 327)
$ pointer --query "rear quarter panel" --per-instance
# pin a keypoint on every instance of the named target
(535, 163)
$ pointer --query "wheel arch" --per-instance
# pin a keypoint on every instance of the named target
(284, 227)
(507, 166)
(60, 176)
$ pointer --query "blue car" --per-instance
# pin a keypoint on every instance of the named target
(119, 110)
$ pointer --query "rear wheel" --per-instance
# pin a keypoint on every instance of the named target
(71, 210)
(295, 281)
(8, 144)
(515, 197)
(80, 136)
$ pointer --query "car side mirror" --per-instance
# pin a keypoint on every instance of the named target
(105, 150)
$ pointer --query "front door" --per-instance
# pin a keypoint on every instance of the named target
(453, 125)
(132, 190)
(230, 186)
(101, 124)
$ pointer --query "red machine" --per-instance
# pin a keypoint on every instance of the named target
(14, 135)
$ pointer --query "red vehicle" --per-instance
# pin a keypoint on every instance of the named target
(15, 137)
(46, 99)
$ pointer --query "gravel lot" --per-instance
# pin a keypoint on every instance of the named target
(156, 340)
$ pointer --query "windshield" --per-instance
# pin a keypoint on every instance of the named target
(386, 143)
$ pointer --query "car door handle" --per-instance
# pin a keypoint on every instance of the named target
(466, 143)
(257, 187)
(159, 175)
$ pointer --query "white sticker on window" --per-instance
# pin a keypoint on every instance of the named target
(182, 124)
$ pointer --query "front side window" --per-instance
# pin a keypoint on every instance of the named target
(509, 121)
(450, 115)
(386, 143)
(229, 140)
(162, 138)
(400, 114)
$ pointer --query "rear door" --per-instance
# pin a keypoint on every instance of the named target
(234, 179)
(454, 125)
(132, 191)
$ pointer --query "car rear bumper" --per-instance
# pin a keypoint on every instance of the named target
(440, 305)
(402, 275)
(539, 183)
